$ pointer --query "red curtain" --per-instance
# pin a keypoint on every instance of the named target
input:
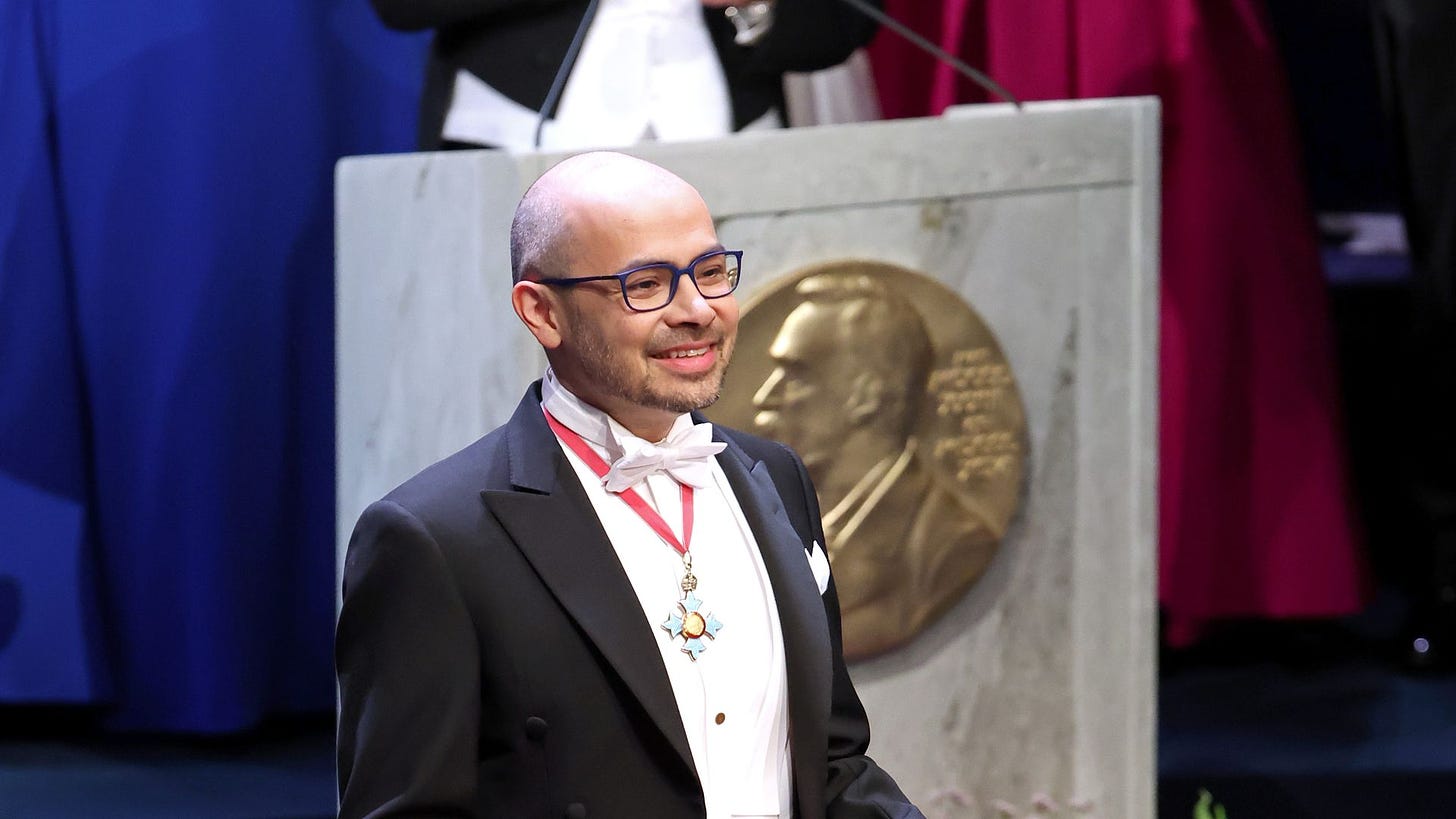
(1253, 514)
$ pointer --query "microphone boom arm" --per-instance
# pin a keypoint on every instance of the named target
(972, 74)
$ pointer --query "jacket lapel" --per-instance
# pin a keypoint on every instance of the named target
(550, 518)
(801, 618)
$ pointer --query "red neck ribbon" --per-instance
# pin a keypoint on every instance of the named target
(630, 496)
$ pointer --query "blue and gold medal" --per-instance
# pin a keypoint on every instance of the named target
(689, 622)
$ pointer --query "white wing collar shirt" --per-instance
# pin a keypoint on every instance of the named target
(647, 70)
(734, 699)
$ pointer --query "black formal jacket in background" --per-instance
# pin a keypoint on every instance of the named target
(515, 46)
(493, 660)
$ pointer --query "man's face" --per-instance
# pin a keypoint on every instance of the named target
(643, 368)
(802, 402)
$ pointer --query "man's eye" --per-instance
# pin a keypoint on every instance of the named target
(710, 274)
(643, 286)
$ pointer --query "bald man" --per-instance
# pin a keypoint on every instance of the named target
(606, 607)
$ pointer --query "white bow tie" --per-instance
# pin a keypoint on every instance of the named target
(686, 456)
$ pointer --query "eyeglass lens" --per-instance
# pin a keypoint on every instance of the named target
(715, 275)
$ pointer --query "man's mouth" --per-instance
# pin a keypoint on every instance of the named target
(689, 359)
(688, 349)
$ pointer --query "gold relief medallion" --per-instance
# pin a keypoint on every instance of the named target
(905, 411)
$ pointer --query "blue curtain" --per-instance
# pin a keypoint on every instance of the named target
(166, 346)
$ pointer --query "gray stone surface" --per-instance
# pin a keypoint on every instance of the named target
(1041, 680)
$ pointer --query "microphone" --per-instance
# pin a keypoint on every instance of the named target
(975, 76)
(558, 83)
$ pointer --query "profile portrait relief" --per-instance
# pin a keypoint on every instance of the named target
(854, 383)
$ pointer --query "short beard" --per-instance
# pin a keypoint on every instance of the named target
(616, 378)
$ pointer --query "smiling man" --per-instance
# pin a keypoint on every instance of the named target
(605, 607)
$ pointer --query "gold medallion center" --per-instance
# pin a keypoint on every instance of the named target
(694, 625)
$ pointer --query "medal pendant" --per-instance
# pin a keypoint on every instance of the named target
(689, 621)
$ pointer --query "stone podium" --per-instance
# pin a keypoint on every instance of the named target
(1039, 684)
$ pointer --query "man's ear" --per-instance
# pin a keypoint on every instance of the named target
(866, 397)
(536, 306)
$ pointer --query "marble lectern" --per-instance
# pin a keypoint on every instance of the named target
(1038, 686)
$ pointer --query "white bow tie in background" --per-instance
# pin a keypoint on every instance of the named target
(686, 456)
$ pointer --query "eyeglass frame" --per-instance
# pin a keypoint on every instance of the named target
(677, 273)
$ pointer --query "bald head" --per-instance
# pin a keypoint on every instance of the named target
(594, 216)
(579, 194)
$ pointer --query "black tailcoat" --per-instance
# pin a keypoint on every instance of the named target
(516, 46)
(493, 659)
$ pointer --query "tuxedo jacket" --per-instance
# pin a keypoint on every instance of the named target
(516, 47)
(493, 660)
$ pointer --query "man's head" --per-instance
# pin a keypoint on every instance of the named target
(603, 213)
(851, 363)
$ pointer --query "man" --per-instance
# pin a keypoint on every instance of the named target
(664, 69)
(852, 364)
(521, 634)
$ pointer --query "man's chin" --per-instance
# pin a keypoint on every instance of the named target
(691, 398)
(709, 401)
(704, 386)
(692, 403)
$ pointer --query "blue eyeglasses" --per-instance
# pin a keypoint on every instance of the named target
(653, 286)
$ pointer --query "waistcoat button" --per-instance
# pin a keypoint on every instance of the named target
(536, 728)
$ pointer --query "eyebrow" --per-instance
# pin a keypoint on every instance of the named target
(644, 261)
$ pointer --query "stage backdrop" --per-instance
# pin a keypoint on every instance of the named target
(166, 358)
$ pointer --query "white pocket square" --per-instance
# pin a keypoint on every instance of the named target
(819, 565)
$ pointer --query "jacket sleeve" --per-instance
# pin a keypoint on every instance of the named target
(406, 657)
(809, 35)
(856, 787)
(414, 15)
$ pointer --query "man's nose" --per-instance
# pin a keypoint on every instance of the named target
(688, 305)
(768, 395)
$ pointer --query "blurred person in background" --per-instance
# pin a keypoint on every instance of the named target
(646, 69)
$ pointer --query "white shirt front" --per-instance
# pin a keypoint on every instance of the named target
(743, 760)
(647, 69)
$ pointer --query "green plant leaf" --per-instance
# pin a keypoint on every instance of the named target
(1207, 808)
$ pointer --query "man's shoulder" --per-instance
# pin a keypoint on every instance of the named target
(757, 447)
(789, 477)
(784, 465)
(482, 465)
